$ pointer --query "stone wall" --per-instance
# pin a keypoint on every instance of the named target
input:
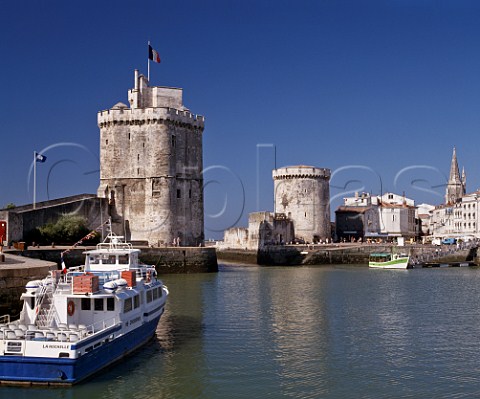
(167, 260)
(22, 219)
(13, 279)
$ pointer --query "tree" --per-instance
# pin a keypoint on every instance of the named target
(68, 229)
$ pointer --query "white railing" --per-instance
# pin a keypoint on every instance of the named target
(5, 319)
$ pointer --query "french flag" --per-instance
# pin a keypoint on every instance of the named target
(153, 54)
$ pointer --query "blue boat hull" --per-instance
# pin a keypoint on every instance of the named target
(64, 371)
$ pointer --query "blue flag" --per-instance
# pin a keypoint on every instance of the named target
(40, 157)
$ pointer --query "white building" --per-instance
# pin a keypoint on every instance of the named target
(457, 220)
(367, 216)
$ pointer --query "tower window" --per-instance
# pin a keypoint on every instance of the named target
(190, 193)
(138, 171)
(106, 142)
(179, 193)
(138, 157)
(174, 140)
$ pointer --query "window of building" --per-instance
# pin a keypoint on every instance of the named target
(179, 193)
(190, 193)
(106, 142)
(174, 140)
(98, 304)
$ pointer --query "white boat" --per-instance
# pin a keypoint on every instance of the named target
(386, 260)
(75, 323)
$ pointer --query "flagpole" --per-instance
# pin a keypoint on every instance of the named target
(148, 63)
(34, 178)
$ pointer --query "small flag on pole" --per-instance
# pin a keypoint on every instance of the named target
(40, 157)
(64, 267)
(153, 54)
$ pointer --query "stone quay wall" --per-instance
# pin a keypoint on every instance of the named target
(337, 254)
(166, 260)
(15, 273)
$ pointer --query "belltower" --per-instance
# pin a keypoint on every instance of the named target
(456, 184)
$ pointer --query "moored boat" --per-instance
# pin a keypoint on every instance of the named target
(386, 260)
(78, 321)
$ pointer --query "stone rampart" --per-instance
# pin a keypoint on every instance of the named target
(152, 115)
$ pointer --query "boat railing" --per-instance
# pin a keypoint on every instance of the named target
(60, 333)
(115, 245)
(102, 325)
(5, 319)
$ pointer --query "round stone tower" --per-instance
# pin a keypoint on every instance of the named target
(302, 193)
(151, 166)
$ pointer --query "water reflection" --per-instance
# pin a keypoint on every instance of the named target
(310, 332)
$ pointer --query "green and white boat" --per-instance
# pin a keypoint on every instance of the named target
(385, 260)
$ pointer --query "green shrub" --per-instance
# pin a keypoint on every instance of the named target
(68, 229)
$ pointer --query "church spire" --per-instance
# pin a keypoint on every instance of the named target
(454, 172)
(456, 183)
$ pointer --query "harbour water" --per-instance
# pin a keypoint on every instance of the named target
(304, 332)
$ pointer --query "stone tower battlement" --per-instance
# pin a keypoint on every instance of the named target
(121, 114)
(302, 193)
(151, 164)
(301, 172)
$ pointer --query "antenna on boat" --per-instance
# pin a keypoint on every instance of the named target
(109, 229)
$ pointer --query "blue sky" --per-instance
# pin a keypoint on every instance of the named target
(377, 91)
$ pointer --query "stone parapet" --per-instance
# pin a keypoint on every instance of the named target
(149, 116)
(301, 172)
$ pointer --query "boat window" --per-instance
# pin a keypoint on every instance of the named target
(86, 304)
(127, 305)
(123, 259)
(155, 294)
(159, 292)
(98, 304)
(110, 304)
(93, 260)
(32, 302)
(136, 301)
(110, 260)
(149, 296)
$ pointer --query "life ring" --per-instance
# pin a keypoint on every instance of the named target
(70, 308)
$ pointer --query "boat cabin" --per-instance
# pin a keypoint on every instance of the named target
(380, 257)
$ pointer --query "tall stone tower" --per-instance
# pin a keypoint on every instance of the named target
(151, 166)
(302, 193)
(456, 185)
